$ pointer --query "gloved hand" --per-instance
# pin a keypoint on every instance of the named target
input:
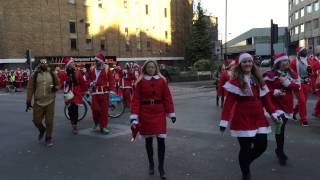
(276, 116)
(133, 123)
(173, 119)
(222, 129)
(28, 105)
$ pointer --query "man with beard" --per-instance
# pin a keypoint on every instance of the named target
(101, 85)
(42, 87)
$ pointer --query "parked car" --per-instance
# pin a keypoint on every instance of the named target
(265, 63)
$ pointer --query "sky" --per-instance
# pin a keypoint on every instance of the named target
(244, 15)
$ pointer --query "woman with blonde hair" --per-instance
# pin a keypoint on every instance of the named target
(151, 103)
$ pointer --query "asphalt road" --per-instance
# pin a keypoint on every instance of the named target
(194, 148)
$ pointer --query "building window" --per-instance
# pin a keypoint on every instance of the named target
(167, 47)
(296, 2)
(73, 44)
(147, 9)
(302, 28)
(316, 6)
(100, 3)
(165, 12)
(309, 8)
(72, 1)
(166, 34)
(308, 26)
(138, 38)
(296, 30)
(87, 28)
(316, 24)
(296, 15)
(89, 43)
(302, 12)
(102, 44)
(148, 45)
(125, 4)
(72, 27)
(127, 38)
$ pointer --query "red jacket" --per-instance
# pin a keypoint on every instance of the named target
(224, 77)
(281, 93)
(127, 79)
(104, 83)
(247, 108)
(152, 117)
(78, 89)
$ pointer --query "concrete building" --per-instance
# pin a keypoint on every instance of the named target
(304, 26)
(257, 42)
(127, 29)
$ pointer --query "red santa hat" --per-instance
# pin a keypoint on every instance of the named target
(244, 56)
(299, 49)
(280, 57)
(68, 60)
(99, 57)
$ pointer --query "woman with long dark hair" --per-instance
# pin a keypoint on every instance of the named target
(151, 103)
(246, 98)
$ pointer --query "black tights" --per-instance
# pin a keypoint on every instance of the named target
(280, 137)
(161, 152)
(73, 113)
(250, 149)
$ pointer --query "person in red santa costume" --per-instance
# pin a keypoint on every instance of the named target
(74, 83)
(302, 67)
(225, 77)
(19, 78)
(244, 109)
(282, 82)
(117, 74)
(101, 84)
(2, 79)
(151, 103)
(126, 86)
(315, 66)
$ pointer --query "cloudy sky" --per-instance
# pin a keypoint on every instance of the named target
(244, 15)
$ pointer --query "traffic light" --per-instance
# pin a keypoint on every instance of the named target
(274, 33)
(28, 56)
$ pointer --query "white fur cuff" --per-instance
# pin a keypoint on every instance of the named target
(286, 83)
(223, 123)
(171, 115)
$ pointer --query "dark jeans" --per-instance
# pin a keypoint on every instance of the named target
(250, 149)
(73, 113)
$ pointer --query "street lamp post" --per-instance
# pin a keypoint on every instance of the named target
(226, 34)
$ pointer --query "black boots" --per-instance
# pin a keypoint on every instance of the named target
(246, 176)
(42, 131)
(282, 157)
(161, 154)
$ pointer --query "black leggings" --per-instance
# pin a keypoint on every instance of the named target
(250, 149)
(73, 113)
(280, 137)
(161, 151)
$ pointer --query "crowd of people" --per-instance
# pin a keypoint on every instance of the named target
(19, 77)
(251, 96)
(144, 89)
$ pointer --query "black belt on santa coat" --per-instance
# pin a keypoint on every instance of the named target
(151, 102)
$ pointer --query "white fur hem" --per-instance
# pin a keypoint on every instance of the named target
(134, 116)
(251, 133)
(171, 115)
(223, 123)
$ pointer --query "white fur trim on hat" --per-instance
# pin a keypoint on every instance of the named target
(70, 61)
(97, 58)
(282, 58)
(244, 56)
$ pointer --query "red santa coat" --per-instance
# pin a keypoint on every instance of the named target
(104, 83)
(78, 89)
(19, 76)
(2, 79)
(152, 116)
(224, 77)
(247, 108)
(281, 93)
(62, 75)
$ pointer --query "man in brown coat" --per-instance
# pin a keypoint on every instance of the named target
(42, 87)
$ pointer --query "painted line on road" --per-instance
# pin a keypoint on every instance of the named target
(116, 130)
